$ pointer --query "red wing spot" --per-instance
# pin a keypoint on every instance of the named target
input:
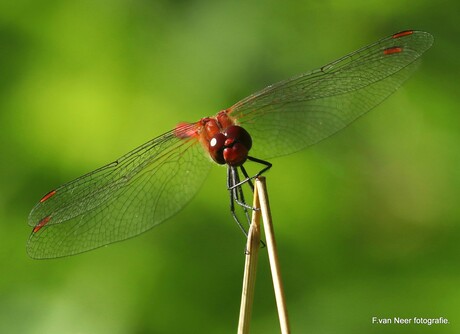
(185, 130)
(48, 195)
(390, 51)
(42, 223)
(403, 33)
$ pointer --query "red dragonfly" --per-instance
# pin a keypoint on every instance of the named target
(154, 181)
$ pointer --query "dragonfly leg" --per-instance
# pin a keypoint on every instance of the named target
(239, 199)
(237, 196)
(233, 196)
(245, 173)
(248, 178)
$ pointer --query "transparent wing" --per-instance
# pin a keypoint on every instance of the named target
(293, 114)
(119, 200)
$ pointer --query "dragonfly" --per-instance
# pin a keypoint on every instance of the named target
(156, 180)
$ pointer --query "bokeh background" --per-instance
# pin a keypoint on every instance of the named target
(367, 222)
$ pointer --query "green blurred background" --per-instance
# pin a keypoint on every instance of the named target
(367, 222)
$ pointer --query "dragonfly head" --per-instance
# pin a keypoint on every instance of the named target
(231, 146)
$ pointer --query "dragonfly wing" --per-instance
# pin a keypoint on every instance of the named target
(293, 114)
(119, 200)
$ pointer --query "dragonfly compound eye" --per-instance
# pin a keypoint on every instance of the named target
(216, 148)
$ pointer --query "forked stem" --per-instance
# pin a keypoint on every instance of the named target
(253, 244)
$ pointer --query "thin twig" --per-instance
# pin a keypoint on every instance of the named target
(250, 268)
(272, 254)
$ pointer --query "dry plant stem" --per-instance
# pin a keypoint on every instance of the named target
(250, 268)
(272, 254)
